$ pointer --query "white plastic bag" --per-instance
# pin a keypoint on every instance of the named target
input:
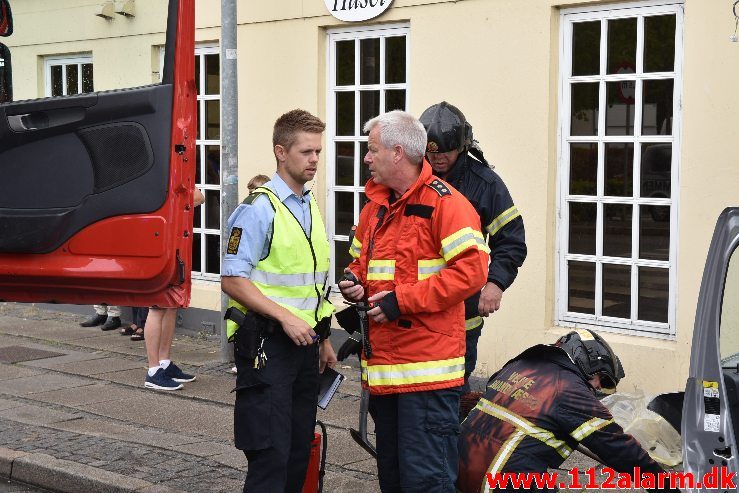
(652, 431)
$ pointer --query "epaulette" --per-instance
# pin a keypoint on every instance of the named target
(439, 187)
(249, 200)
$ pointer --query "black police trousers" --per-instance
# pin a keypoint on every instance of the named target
(275, 414)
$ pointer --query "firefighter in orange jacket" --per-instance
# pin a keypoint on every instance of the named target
(418, 253)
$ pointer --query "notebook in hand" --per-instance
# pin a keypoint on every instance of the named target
(329, 382)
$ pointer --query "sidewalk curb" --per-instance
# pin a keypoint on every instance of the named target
(46, 471)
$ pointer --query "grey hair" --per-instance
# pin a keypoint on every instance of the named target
(401, 128)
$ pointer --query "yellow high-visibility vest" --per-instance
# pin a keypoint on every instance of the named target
(295, 271)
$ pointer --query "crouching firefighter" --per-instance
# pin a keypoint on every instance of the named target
(538, 408)
(275, 270)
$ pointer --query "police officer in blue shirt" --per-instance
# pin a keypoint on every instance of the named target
(276, 266)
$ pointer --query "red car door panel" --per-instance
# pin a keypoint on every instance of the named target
(96, 189)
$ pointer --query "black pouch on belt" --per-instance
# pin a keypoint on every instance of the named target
(252, 327)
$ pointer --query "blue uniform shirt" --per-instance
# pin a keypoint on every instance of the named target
(255, 222)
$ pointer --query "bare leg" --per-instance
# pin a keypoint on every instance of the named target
(167, 333)
(153, 331)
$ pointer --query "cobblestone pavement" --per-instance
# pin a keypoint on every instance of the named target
(156, 465)
(85, 404)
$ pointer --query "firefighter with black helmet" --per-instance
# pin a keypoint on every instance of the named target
(540, 406)
(456, 157)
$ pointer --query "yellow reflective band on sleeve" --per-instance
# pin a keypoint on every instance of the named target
(428, 268)
(544, 436)
(589, 427)
(465, 238)
(504, 453)
(507, 216)
(381, 270)
(472, 323)
(414, 373)
(355, 248)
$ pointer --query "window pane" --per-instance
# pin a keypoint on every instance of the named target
(617, 230)
(344, 163)
(73, 78)
(57, 88)
(622, 46)
(584, 109)
(619, 162)
(344, 212)
(657, 109)
(212, 209)
(213, 254)
(345, 63)
(369, 69)
(200, 112)
(395, 60)
(197, 74)
(729, 328)
(582, 227)
(586, 48)
(369, 104)
(362, 200)
(213, 120)
(87, 82)
(343, 259)
(197, 218)
(212, 165)
(581, 287)
(212, 74)
(364, 172)
(653, 294)
(617, 291)
(583, 169)
(344, 113)
(656, 168)
(198, 160)
(395, 100)
(654, 232)
(196, 249)
(620, 107)
(659, 43)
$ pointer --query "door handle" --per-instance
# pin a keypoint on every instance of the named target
(40, 120)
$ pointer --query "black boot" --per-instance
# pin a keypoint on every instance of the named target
(94, 321)
(112, 323)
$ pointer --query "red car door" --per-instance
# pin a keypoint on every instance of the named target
(96, 190)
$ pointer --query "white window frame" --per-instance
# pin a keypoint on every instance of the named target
(65, 61)
(204, 49)
(342, 34)
(202, 143)
(563, 317)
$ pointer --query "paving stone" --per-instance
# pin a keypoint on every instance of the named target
(100, 366)
(75, 397)
(173, 414)
(45, 383)
(9, 372)
(70, 357)
(15, 354)
(36, 415)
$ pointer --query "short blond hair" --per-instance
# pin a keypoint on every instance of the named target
(257, 181)
(288, 125)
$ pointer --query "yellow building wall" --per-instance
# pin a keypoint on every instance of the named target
(495, 59)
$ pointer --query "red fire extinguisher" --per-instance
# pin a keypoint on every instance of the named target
(317, 462)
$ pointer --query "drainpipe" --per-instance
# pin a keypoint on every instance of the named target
(229, 141)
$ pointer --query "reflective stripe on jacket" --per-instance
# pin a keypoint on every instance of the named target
(501, 222)
(294, 273)
(427, 248)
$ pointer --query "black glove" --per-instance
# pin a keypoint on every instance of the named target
(349, 347)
